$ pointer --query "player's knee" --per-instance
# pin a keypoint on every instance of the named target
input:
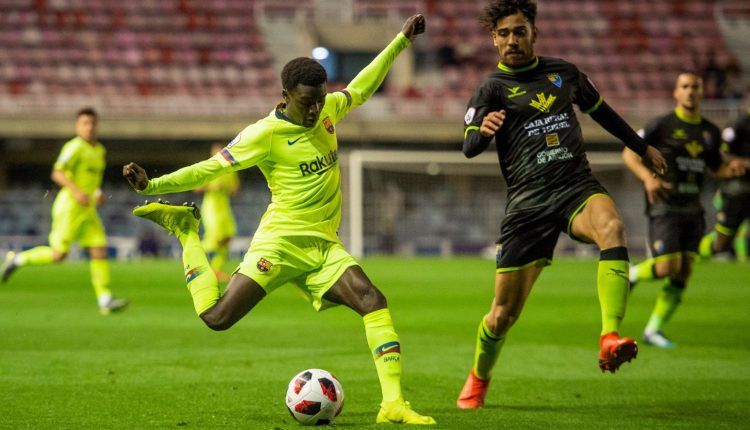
(612, 232)
(372, 300)
(59, 257)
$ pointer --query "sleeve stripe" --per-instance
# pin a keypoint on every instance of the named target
(469, 128)
(227, 156)
(595, 107)
(348, 97)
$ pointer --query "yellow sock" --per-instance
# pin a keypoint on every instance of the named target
(613, 286)
(99, 269)
(199, 277)
(219, 258)
(386, 351)
(37, 256)
(487, 350)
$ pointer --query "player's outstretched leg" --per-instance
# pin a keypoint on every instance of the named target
(182, 222)
(488, 347)
(38, 256)
(613, 286)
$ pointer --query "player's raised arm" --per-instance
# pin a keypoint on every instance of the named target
(364, 85)
(185, 179)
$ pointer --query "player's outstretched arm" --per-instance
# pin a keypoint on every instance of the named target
(364, 85)
(185, 179)
(656, 188)
(617, 127)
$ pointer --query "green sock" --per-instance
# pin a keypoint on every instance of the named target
(643, 271)
(37, 256)
(201, 280)
(666, 304)
(219, 258)
(740, 242)
(100, 276)
(613, 286)
(487, 350)
(386, 351)
(704, 248)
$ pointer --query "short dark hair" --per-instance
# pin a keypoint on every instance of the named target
(89, 111)
(498, 9)
(302, 70)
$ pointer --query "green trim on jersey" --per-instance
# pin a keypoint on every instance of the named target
(595, 107)
(469, 128)
(726, 231)
(541, 262)
(684, 118)
(505, 68)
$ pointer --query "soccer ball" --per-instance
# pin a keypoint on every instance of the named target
(314, 397)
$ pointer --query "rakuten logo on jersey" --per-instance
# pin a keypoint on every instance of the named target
(320, 164)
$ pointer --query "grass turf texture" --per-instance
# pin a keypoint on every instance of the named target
(156, 365)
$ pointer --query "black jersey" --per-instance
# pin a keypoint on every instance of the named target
(688, 147)
(540, 145)
(737, 138)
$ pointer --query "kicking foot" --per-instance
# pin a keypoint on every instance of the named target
(177, 220)
(113, 305)
(400, 412)
(632, 276)
(473, 394)
(658, 338)
(615, 351)
(9, 266)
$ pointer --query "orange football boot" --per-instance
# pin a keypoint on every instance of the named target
(473, 394)
(615, 351)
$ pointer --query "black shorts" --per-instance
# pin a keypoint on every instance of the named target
(528, 237)
(735, 209)
(675, 233)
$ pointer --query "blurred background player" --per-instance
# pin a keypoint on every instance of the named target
(78, 171)
(297, 241)
(526, 105)
(690, 143)
(216, 215)
(734, 213)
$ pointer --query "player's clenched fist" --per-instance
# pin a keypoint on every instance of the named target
(492, 123)
(136, 176)
(413, 26)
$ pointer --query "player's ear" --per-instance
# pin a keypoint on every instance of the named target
(285, 95)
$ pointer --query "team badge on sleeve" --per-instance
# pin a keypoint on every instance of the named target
(263, 265)
(328, 124)
(469, 117)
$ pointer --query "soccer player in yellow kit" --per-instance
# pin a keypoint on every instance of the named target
(218, 221)
(297, 243)
(78, 171)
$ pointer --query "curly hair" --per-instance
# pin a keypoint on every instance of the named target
(302, 70)
(498, 9)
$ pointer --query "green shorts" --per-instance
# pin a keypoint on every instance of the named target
(311, 264)
(72, 222)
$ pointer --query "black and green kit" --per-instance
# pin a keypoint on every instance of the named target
(735, 192)
(541, 152)
(688, 146)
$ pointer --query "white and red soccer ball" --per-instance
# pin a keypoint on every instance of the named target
(314, 397)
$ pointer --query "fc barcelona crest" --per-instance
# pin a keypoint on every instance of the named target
(328, 124)
(264, 265)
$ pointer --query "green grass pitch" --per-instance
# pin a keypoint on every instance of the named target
(63, 366)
